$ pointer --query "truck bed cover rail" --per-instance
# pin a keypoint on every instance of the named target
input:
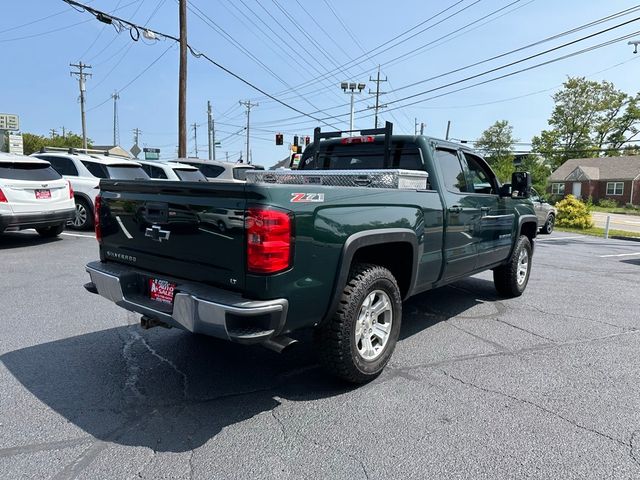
(397, 178)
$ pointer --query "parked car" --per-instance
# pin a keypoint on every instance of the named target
(545, 212)
(172, 171)
(33, 195)
(335, 246)
(84, 171)
(218, 171)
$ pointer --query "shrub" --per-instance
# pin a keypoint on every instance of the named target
(607, 203)
(631, 206)
(573, 213)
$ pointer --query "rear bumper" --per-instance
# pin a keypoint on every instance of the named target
(36, 220)
(196, 307)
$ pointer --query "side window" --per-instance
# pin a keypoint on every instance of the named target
(157, 172)
(146, 168)
(479, 175)
(452, 173)
(96, 169)
(534, 196)
(211, 171)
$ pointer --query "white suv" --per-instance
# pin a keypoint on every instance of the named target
(84, 171)
(171, 171)
(217, 171)
(33, 195)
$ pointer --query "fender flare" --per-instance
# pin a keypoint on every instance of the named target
(367, 238)
(527, 218)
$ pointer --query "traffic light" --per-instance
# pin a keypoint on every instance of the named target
(307, 140)
(279, 139)
(295, 140)
(295, 149)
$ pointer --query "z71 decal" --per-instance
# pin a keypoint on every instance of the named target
(307, 197)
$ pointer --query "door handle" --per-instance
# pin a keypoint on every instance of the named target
(455, 209)
(485, 210)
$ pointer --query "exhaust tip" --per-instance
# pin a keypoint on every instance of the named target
(279, 344)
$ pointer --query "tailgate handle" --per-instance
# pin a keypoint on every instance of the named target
(362, 181)
(156, 211)
(455, 209)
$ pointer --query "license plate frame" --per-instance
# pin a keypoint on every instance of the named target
(161, 290)
(42, 194)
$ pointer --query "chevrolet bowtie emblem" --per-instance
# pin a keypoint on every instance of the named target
(156, 234)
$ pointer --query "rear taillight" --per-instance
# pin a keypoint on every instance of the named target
(97, 204)
(70, 189)
(3, 199)
(269, 240)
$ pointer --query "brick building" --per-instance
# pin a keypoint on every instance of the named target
(614, 178)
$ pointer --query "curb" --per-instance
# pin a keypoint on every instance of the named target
(631, 239)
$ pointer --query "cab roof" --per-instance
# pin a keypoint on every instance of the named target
(14, 158)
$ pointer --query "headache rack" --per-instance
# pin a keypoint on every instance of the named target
(387, 131)
(396, 178)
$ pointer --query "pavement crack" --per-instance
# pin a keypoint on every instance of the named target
(496, 345)
(525, 330)
(162, 359)
(539, 407)
(632, 447)
(280, 424)
(133, 369)
(81, 462)
(45, 446)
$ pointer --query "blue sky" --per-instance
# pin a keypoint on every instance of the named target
(299, 51)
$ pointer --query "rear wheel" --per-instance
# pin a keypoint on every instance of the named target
(547, 228)
(50, 232)
(511, 279)
(357, 342)
(83, 219)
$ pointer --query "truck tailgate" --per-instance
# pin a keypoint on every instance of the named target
(188, 230)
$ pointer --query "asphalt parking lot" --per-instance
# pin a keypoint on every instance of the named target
(543, 386)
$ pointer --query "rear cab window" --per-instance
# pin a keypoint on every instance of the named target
(364, 156)
(240, 173)
(28, 171)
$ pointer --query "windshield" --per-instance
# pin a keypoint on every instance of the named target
(125, 172)
(190, 175)
(28, 171)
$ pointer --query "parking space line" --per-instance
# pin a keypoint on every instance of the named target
(557, 238)
(77, 235)
(621, 255)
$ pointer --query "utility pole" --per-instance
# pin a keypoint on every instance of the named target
(195, 137)
(136, 149)
(249, 105)
(63, 132)
(82, 76)
(350, 88)
(421, 128)
(415, 126)
(116, 133)
(182, 83)
(377, 94)
(448, 128)
(52, 132)
(209, 128)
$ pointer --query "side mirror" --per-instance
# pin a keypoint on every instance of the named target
(521, 185)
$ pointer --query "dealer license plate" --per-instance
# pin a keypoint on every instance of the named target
(43, 194)
(161, 290)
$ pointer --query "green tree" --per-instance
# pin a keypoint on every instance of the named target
(496, 144)
(589, 118)
(33, 143)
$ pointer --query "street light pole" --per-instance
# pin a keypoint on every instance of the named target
(350, 88)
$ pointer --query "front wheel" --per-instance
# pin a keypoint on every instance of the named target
(357, 342)
(511, 278)
(547, 228)
(50, 232)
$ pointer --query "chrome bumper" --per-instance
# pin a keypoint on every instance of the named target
(196, 307)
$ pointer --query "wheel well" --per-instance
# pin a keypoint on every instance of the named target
(82, 196)
(529, 230)
(397, 257)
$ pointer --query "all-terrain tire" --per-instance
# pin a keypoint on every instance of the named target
(511, 278)
(370, 291)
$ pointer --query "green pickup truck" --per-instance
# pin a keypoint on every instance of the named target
(364, 223)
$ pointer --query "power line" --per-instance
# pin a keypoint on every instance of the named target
(131, 26)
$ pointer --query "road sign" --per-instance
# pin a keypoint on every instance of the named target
(135, 150)
(9, 121)
(151, 153)
(15, 144)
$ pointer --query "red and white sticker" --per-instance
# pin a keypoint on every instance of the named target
(161, 290)
(307, 198)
